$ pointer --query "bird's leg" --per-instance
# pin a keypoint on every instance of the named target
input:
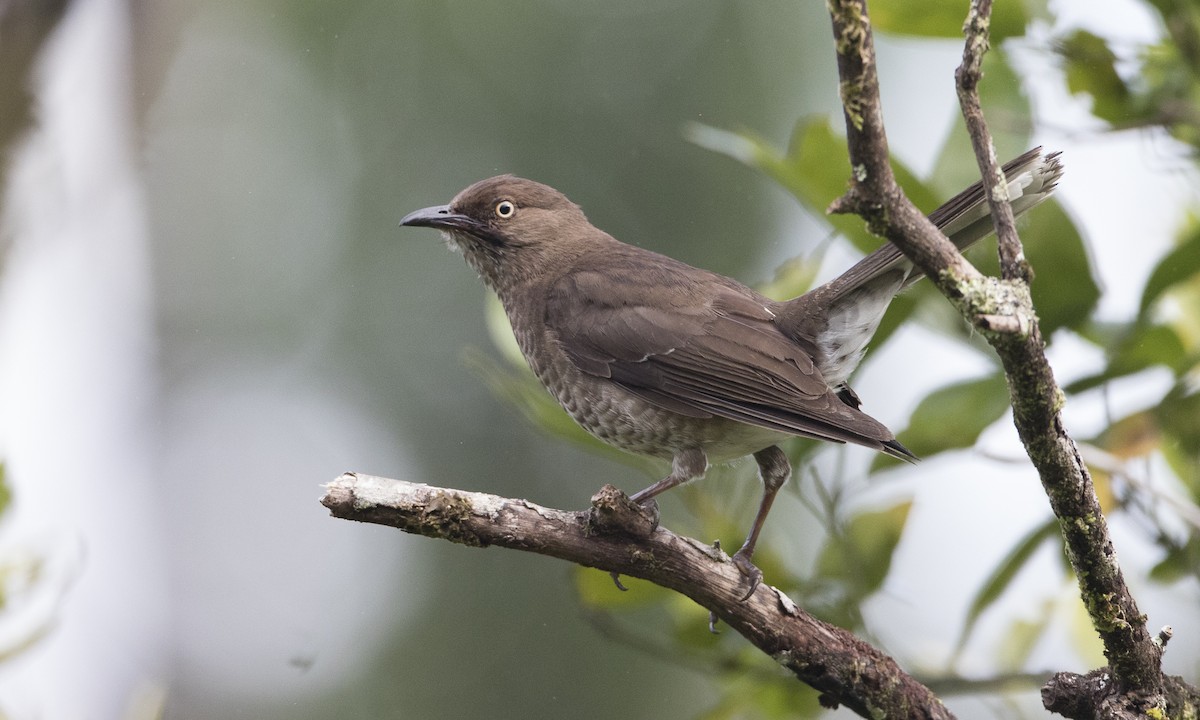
(686, 465)
(775, 469)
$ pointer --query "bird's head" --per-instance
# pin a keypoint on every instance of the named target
(510, 229)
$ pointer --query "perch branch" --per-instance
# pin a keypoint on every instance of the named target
(616, 535)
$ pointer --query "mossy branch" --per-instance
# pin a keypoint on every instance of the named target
(618, 536)
(1003, 313)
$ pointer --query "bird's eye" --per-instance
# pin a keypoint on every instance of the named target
(505, 209)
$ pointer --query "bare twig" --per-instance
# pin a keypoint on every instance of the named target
(614, 535)
(967, 77)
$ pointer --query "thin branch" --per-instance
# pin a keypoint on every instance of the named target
(1004, 683)
(1012, 258)
(616, 535)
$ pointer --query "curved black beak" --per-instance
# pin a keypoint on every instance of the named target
(440, 217)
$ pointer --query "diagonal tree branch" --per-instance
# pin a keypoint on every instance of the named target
(1134, 657)
(616, 535)
(1002, 310)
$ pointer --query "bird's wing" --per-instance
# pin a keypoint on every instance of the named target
(701, 349)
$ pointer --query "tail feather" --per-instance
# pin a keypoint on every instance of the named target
(965, 218)
(841, 316)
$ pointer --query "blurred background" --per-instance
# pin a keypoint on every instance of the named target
(207, 310)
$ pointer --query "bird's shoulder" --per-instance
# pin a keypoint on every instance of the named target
(643, 309)
(625, 276)
(649, 303)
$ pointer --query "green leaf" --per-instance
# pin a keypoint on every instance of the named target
(1179, 417)
(793, 278)
(817, 152)
(1147, 346)
(1063, 289)
(500, 330)
(1134, 435)
(1182, 263)
(514, 382)
(1180, 562)
(815, 170)
(952, 417)
(1003, 576)
(1082, 631)
(5, 490)
(519, 387)
(1186, 467)
(1142, 346)
(1022, 637)
(1091, 69)
(596, 590)
(761, 696)
(941, 19)
(862, 555)
(1103, 333)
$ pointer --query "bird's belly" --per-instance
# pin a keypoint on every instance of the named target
(631, 423)
(624, 420)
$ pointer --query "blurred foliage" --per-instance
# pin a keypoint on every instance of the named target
(975, 404)
(857, 555)
(5, 491)
(22, 575)
(940, 19)
(1003, 575)
(24, 27)
(1160, 87)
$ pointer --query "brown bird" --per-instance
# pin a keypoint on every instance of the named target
(660, 358)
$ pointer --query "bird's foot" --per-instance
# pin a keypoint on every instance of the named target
(650, 507)
(741, 560)
(640, 523)
(651, 513)
(615, 513)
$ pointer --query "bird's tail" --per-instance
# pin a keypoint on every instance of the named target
(841, 316)
(965, 218)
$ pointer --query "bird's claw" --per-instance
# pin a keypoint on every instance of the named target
(650, 505)
(616, 576)
(741, 561)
